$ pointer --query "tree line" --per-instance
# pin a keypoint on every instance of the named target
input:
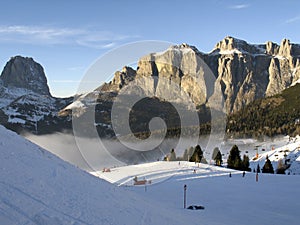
(234, 161)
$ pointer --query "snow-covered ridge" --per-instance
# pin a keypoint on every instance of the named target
(21, 107)
(13, 97)
(8, 95)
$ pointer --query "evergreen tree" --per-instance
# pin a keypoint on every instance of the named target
(185, 156)
(234, 160)
(204, 161)
(172, 155)
(268, 167)
(190, 152)
(218, 159)
(215, 152)
(197, 155)
(280, 167)
(245, 163)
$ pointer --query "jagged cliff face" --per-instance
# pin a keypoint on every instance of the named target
(24, 72)
(241, 72)
(178, 66)
(246, 72)
(25, 99)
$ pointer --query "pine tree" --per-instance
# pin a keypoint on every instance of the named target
(215, 152)
(204, 161)
(245, 163)
(268, 167)
(172, 155)
(197, 155)
(280, 167)
(218, 159)
(185, 156)
(234, 160)
(190, 152)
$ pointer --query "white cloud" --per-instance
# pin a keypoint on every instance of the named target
(292, 20)
(240, 6)
(53, 35)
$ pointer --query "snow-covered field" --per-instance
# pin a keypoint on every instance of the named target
(274, 199)
(37, 187)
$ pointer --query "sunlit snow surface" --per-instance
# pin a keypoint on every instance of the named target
(36, 187)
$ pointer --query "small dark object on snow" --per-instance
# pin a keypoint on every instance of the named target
(195, 207)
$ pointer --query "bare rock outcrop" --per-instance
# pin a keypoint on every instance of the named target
(238, 71)
(24, 72)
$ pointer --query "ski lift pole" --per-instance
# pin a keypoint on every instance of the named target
(184, 196)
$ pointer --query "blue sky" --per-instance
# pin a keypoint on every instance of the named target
(66, 37)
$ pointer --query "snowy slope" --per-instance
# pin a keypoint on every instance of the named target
(8, 95)
(36, 187)
(289, 153)
(273, 200)
(160, 171)
(21, 109)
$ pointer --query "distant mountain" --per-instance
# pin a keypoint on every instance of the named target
(239, 71)
(243, 72)
(25, 100)
(25, 73)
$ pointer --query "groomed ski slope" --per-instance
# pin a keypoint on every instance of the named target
(235, 200)
(39, 188)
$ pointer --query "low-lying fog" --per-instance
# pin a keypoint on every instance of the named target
(93, 154)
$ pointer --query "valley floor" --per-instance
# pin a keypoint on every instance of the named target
(239, 200)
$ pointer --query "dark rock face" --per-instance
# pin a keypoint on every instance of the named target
(25, 73)
(25, 100)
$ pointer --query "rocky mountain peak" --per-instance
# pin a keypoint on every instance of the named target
(24, 72)
(231, 45)
(184, 47)
(272, 48)
(120, 79)
(287, 49)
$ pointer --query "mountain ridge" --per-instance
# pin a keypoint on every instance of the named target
(239, 71)
(243, 72)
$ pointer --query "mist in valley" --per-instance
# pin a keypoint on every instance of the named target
(93, 154)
